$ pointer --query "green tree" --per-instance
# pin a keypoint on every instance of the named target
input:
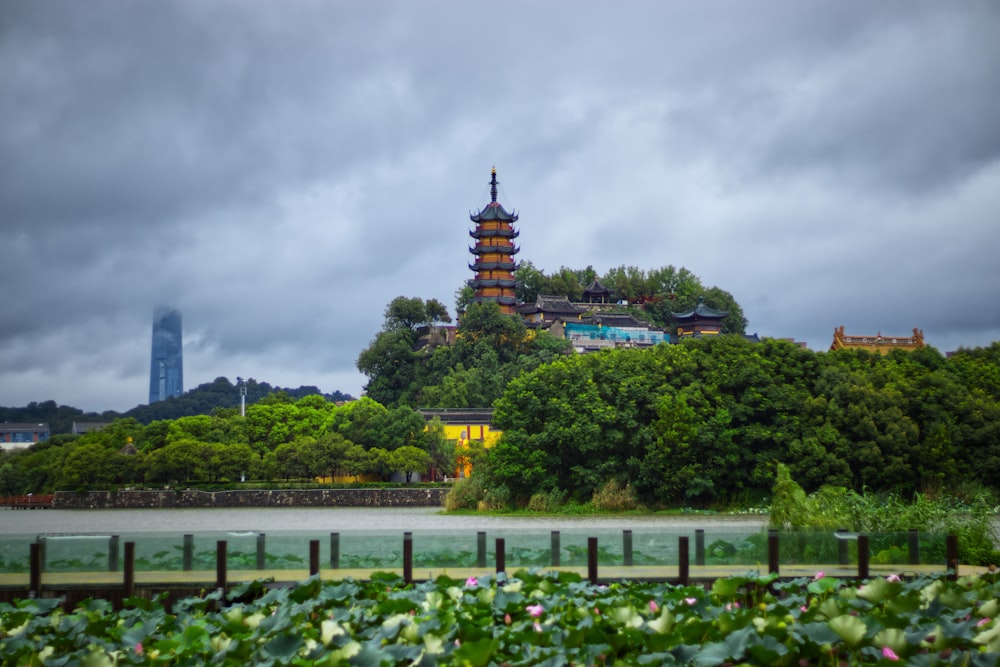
(409, 460)
(291, 463)
(380, 462)
(180, 461)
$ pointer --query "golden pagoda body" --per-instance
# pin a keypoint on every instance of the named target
(494, 251)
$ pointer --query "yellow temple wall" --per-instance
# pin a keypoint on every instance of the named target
(462, 434)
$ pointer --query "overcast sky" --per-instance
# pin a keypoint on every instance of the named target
(279, 171)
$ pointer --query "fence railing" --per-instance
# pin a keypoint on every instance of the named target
(41, 501)
(78, 558)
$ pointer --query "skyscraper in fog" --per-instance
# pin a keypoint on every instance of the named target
(166, 366)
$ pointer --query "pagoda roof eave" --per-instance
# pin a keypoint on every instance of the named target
(494, 211)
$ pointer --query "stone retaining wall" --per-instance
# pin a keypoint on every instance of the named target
(409, 497)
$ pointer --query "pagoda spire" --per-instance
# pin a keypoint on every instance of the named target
(494, 251)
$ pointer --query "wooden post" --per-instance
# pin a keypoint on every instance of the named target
(128, 579)
(261, 551)
(35, 578)
(683, 560)
(113, 553)
(501, 555)
(313, 558)
(699, 546)
(335, 551)
(556, 549)
(863, 556)
(951, 553)
(773, 553)
(188, 553)
(627, 547)
(220, 564)
(481, 549)
(408, 557)
(914, 547)
(592, 559)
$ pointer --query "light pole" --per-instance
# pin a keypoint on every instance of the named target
(243, 396)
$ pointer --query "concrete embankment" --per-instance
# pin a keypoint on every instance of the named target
(190, 498)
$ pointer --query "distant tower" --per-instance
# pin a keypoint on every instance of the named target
(494, 251)
(166, 366)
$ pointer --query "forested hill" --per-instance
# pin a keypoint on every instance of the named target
(202, 400)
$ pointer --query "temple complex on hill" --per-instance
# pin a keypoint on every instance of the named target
(590, 325)
(877, 343)
(494, 251)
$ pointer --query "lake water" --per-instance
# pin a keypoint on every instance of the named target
(343, 519)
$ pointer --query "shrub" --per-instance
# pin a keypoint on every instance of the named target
(547, 501)
(613, 497)
(465, 494)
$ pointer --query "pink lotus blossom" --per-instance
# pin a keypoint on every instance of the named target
(471, 581)
(458, 642)
(653, 607)
(597, 612)
(138, 648)
(535, 610)
(819, 575)
(893, 578)
(690, 601)
(538, 626)
(506, 619)
(983, 622)
(889, 654)
(803, 608)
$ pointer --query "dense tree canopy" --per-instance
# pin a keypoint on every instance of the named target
(279, 439)
(707, 420)
(490, 348)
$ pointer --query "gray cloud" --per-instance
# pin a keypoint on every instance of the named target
(280, 171)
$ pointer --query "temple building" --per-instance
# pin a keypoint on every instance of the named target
(598, 293)
(877, 343)
(494, 251)
(701, 321)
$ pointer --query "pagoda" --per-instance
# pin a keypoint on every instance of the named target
(494, 251)
(700, 321)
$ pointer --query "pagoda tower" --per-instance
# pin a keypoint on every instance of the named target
(494, 251)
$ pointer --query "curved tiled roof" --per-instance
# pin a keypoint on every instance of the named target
(701, 310)
(498, 249)
(490, 266)
(487, 233)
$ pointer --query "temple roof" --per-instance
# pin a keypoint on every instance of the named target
(494, 266)
(494, 282)
(545, 303)
(478, 232)
(596, 288)
(494, 210)
(623, 320)
(701, 311)
(497, 249)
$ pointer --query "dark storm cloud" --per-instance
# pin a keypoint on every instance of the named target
(280, 171)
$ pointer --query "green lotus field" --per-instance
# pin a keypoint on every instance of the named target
(526, 619)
